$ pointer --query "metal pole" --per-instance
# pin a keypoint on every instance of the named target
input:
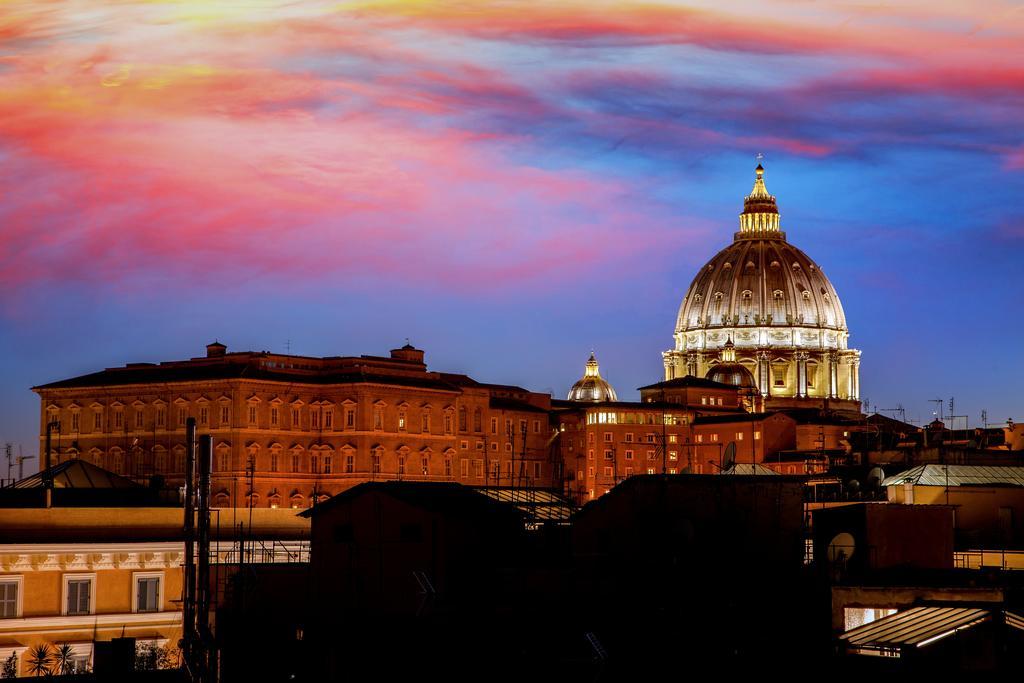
(203, 571)
(188, 606)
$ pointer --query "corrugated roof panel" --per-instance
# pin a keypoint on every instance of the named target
(918, 626)
(958, 475)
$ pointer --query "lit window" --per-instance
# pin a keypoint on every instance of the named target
(703, 400)
(650, 470)
(424, 465)
(714, 437)
(672, 470)
(401, 421)
(739, 436)
(672, 438)
(757, 436)
(673, 455)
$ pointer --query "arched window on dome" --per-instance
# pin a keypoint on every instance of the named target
(719, 298)
(746, 299)
(778, 307)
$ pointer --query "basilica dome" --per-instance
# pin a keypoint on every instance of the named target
(761, 282)
(592, 387)
(777, 306)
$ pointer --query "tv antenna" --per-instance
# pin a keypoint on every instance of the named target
(938, 404)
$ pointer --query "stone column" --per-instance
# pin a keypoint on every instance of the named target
(801, 374)
(764, 373)
(854, 378)
(833, 374)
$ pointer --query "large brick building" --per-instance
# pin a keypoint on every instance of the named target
(289, 429)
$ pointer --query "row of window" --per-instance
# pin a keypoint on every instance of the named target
(319, 418)
(79, 594)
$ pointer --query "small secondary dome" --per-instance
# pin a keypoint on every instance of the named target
(731, 372)
(592, 387)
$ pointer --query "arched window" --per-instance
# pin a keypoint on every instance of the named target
(462, 418)
(478, 420)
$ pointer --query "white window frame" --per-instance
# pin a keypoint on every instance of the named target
(65, 580)
(159, 590)
(19, 580)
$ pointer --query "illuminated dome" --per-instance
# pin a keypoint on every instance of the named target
(776, 304)
(592, 387)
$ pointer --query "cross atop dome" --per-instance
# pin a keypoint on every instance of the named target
(760, 217)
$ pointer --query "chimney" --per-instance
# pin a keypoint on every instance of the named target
(215, 350)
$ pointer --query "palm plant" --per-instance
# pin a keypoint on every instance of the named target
(63, 662)
(39, 659)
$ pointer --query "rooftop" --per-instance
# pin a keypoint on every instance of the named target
(958, 475)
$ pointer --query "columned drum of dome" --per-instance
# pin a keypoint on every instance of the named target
(592, 387)
(779, 309)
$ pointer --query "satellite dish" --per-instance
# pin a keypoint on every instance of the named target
(841, 547)
(875, 476)
(729, 457)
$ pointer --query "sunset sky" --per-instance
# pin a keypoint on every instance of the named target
(508, 184)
